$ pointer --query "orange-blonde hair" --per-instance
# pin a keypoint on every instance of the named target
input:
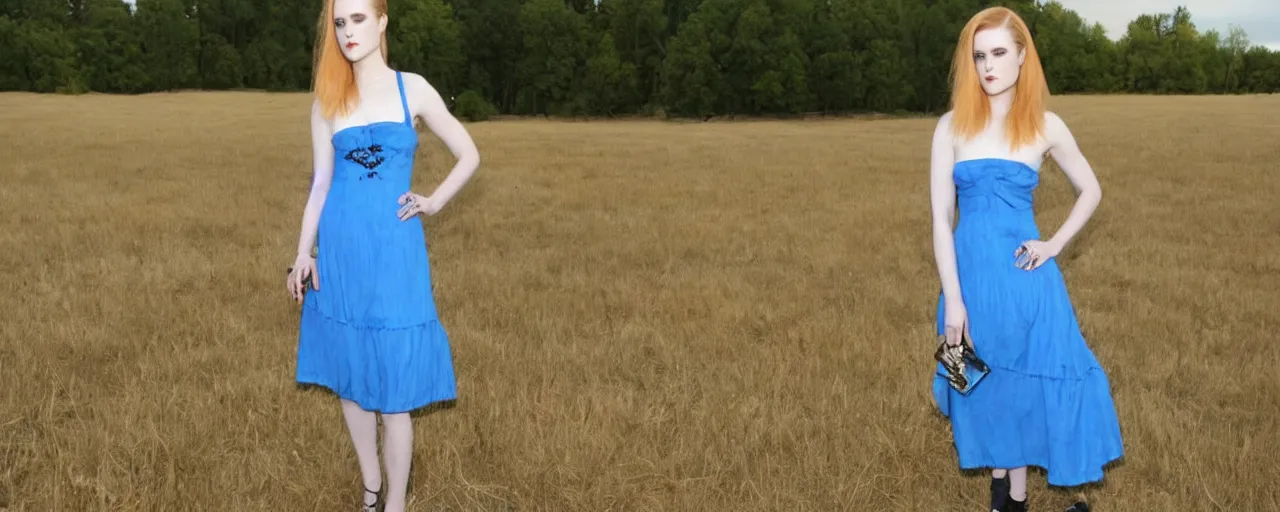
(332, 79)
(971, 108)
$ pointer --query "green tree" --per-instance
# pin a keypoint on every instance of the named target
(426, 39)
(170, 43)
(688, 57)
(609, 84)
(555, 54)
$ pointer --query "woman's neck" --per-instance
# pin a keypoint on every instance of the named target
(370, 68)
(1002, 103)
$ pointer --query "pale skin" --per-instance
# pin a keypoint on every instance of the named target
(359, 32)
(997, 56)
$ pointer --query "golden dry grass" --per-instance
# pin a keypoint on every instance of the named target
(644, 315)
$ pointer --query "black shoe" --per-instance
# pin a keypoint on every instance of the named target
(999, 494)
(1079, 506)
(1015, 506)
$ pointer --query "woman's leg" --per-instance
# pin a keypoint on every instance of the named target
(1018, 489)
(398, 453)
(1018, 484)
(363, 426)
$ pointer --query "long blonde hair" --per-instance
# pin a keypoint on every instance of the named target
(332, 80)
(971, 108)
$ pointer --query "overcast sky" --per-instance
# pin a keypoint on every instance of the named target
(1260, 19)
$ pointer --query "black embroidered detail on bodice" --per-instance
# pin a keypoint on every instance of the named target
(368, 158)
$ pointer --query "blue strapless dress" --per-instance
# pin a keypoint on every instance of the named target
(1047, 401)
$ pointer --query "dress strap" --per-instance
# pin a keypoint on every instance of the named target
(404, 102)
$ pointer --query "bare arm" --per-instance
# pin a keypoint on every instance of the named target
(433, 111)
(943, 201)
(322, 165)
(1063, 149)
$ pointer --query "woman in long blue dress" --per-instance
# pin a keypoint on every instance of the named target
(1047, 401)
(369, 329)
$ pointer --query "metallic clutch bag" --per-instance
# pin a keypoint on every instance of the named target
(964, 369)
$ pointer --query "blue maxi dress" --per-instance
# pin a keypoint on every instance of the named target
(1047, 401)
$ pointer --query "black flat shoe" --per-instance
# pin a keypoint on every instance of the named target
(999, 494)
(1079, 506)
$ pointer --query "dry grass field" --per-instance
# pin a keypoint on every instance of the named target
(645, 315)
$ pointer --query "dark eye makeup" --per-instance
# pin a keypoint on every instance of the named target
(998, 52)
(355, 18)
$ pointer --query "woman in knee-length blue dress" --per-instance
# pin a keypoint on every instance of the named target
(1047, 400)
(371, 333)
(369, 329)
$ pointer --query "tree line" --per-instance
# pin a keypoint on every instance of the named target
(611, 57)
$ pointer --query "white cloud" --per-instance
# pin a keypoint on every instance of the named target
(1260, 19)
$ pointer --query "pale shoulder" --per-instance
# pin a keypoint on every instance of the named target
(944, 121)
(942, 131)
(418, 87)
(1053, 124)
(318, 121)
(1056, 131)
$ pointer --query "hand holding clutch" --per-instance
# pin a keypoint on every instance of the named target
(964, 369)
